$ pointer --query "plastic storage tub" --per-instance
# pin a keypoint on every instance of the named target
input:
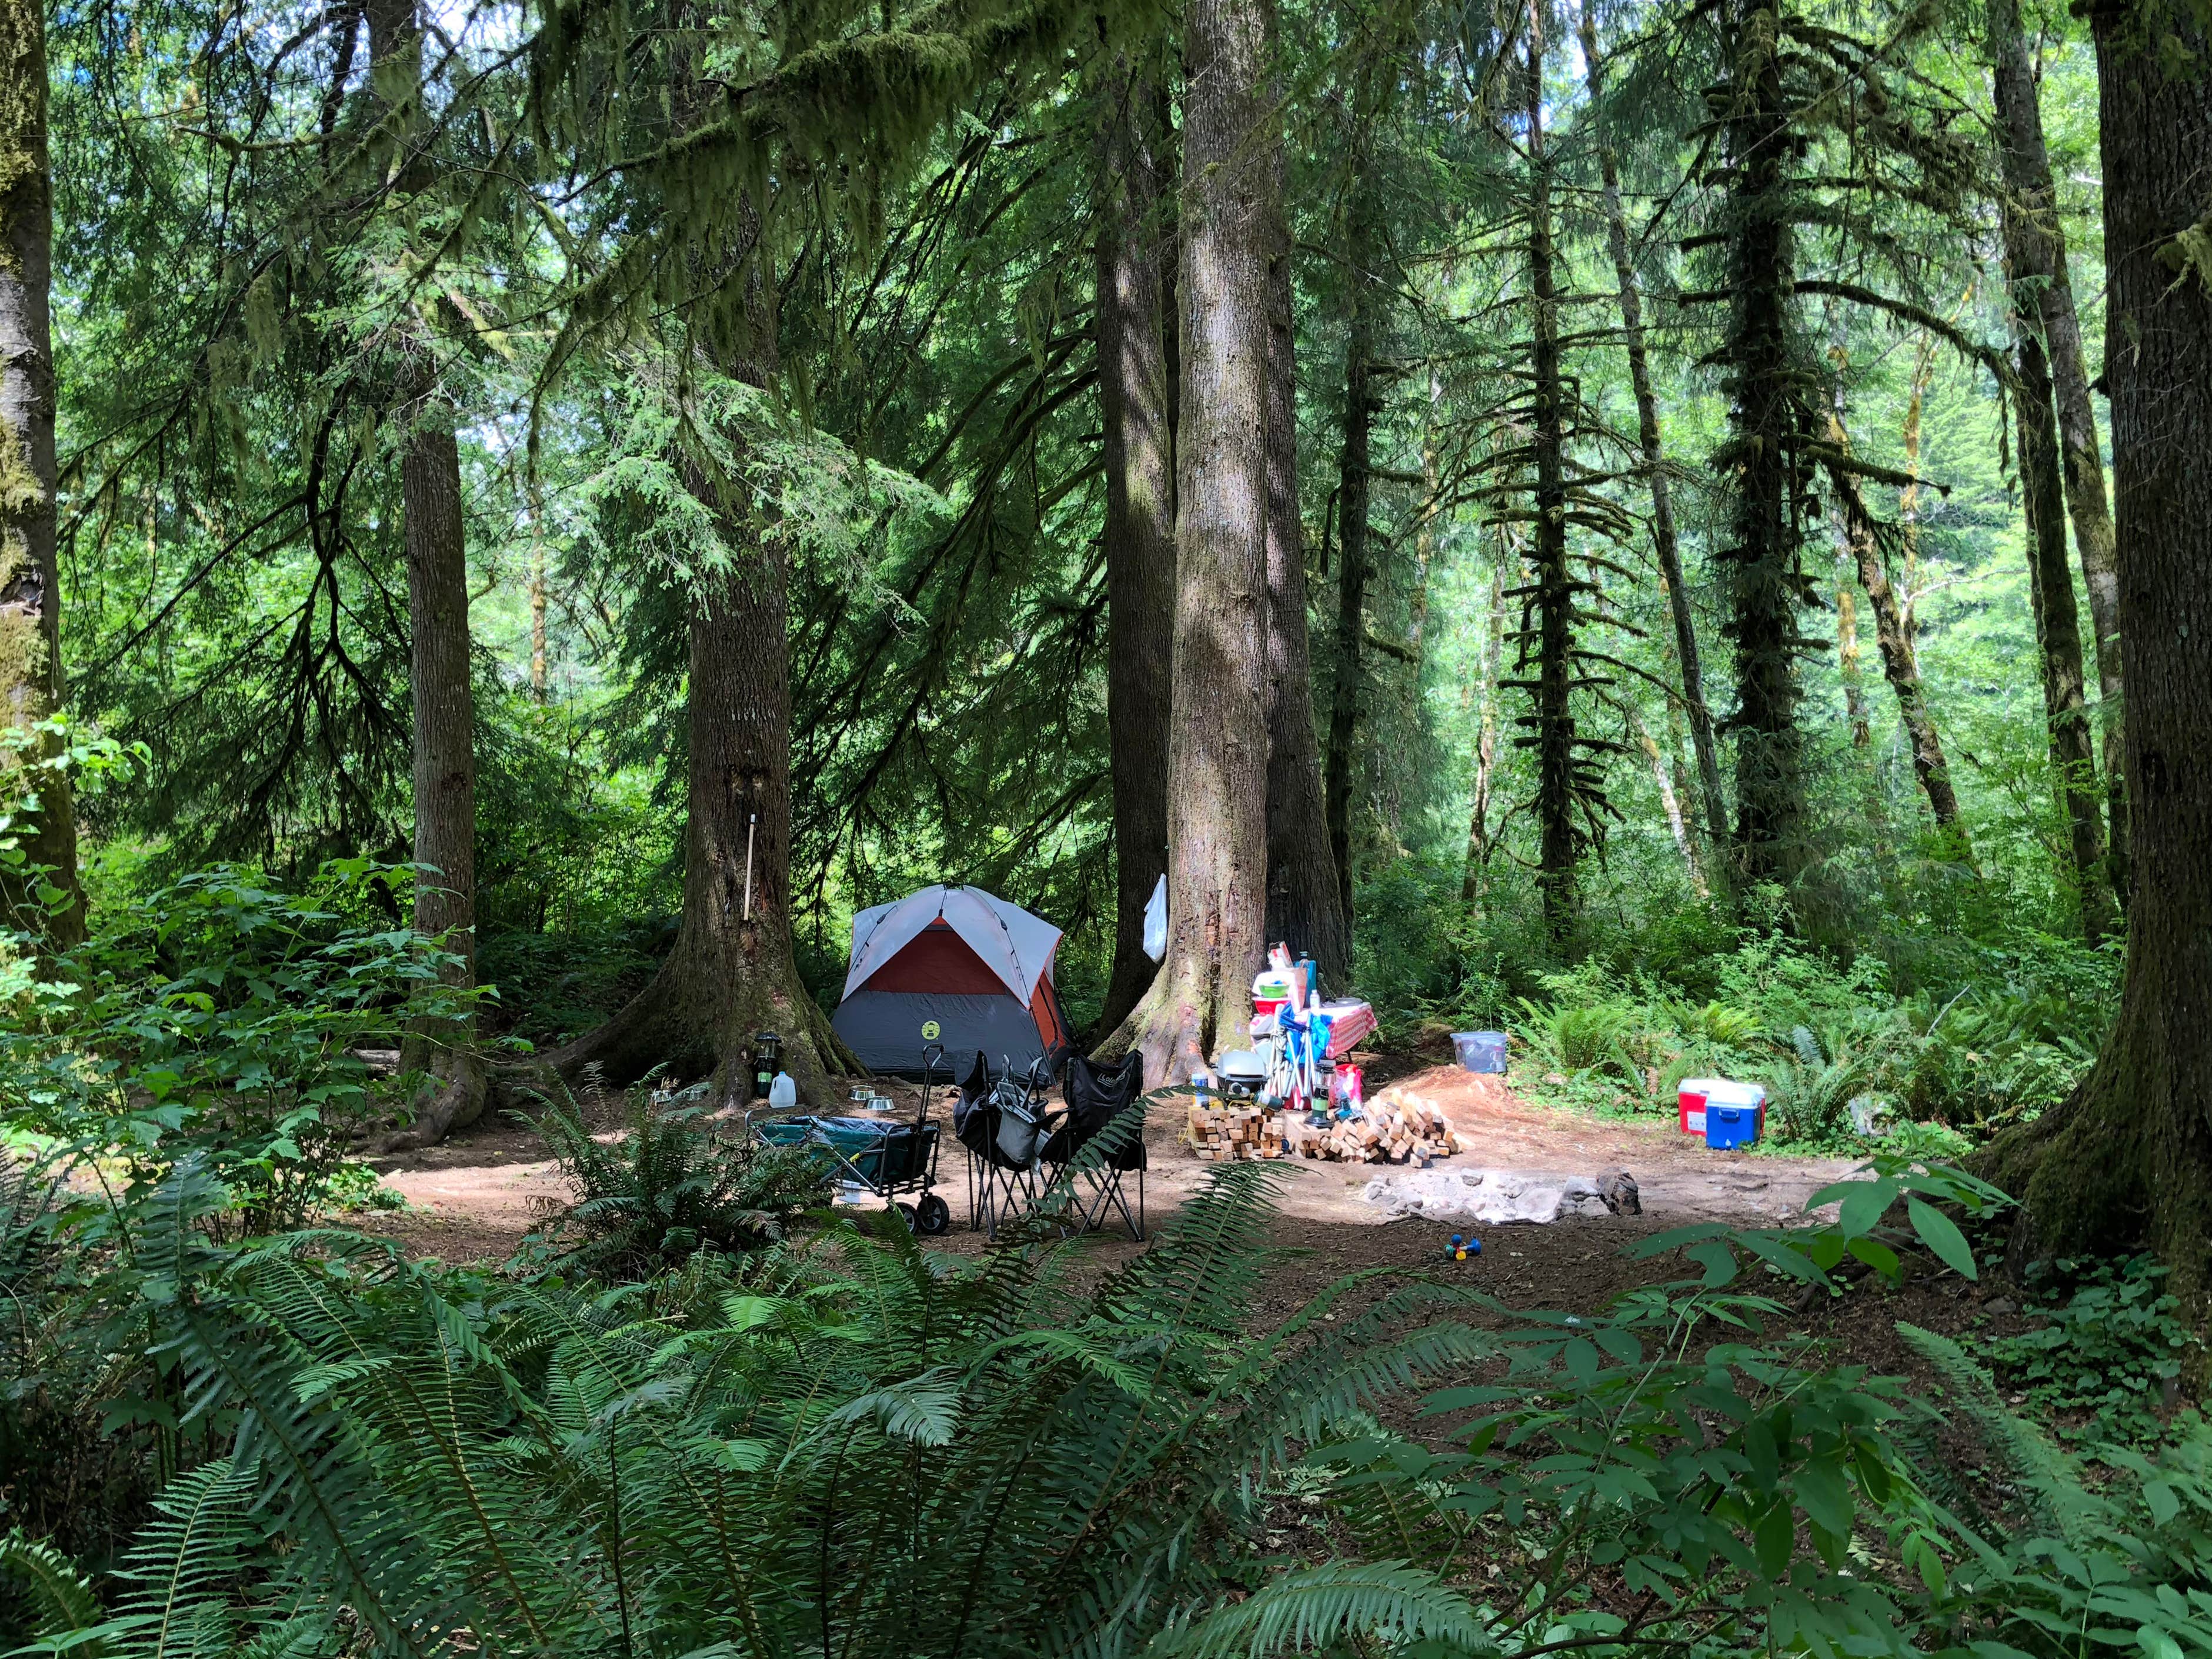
(1481, 1051)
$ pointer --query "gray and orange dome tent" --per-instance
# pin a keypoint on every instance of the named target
(956, 967)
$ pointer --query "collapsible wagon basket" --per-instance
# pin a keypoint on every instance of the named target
(882, 1157)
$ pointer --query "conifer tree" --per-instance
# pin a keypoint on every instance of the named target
(30, 581)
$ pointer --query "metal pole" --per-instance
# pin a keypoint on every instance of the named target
(751, 821)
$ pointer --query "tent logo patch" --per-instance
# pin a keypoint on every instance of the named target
(930, 1031)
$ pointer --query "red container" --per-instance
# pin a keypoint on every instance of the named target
(1690, 1100)
(1263, 1007)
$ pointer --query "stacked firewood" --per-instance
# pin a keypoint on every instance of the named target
(1411, 1132)
(1224, 1134)
(1403, 1132)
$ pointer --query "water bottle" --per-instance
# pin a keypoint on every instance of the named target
(782, 1093)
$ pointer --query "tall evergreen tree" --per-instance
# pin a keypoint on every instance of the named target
(2128, 1160)
(30, 581)
(1219, 743)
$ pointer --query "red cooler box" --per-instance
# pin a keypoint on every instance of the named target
(1690, 1097)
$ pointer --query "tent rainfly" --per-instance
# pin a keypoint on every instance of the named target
(955, 966)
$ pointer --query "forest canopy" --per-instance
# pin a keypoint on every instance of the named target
(1535, 507)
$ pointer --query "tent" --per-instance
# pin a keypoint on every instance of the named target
(956, 966)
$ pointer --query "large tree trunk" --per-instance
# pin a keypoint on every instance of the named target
(1140, 530)
(1308, 889)
(1546, 637)
(1354, 502)
(2128, 1160)
(30, 584)
(1217, 744)
(2035, 248)
(444, 1050)
(730, 973)
(1771, 421)
(2058, 632)
(1664, 543)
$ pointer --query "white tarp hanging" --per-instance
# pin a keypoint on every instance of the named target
(1014, 944)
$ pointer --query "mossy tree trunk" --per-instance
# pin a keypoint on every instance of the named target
(1354, 497)
(1485, 741)
(442, 1051)
(1665, 544)
(30, 584)
(1139, 528)
(1546, 637)
(1764, 459)
(1218, 745)
(1308, 891)
(2128, 1160)
(2035, 249)
(2058, 630)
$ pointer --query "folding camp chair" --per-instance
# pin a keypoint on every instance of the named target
(1004, 1124)
(1097, 1096)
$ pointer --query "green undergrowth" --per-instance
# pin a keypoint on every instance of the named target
(845, 1438)
(1847, 1063)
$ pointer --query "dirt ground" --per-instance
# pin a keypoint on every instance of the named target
(473, 1199)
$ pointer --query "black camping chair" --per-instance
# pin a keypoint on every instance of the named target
(1003, 1124)
(1096, 1095)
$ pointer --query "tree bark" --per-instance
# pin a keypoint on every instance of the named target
(1353, 501)
(2058, 631)
(1139, 528)
(1849, 665)
(444, 1050)
(1309, 887)
(1551, 721)
(1764, 458)
(2128, 1161)
(1670, 804)
(2035, 248)
(1485, 742)
(1218, 764)
(730, 972)
(1900, 663)
(30, 583)
(1664, 543)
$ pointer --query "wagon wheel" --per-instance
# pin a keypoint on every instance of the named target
(906, 1214)
(932, 1216)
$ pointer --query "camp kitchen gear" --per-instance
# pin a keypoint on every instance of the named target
(1481, 1051)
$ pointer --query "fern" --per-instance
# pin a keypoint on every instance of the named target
(2048, 1477)
(64, 1601)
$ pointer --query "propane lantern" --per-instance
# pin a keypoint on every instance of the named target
(768, 1053)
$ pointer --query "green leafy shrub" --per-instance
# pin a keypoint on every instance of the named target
(669, 1184)
(222, 1019)
(2109, 1344)
(2045, 1564)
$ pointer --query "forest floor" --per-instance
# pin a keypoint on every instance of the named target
(473, 1199)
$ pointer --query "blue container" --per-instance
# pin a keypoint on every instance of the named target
(1481, 1051)
(1727, 1126)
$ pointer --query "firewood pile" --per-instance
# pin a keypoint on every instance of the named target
(1413, 1132)
(1227, 1134)
(1409, 1132)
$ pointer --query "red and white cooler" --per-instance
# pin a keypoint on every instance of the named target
(1693, 1092)
(1690, 1097)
